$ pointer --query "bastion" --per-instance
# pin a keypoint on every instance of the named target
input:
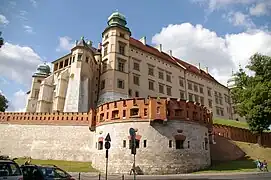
(173, 135)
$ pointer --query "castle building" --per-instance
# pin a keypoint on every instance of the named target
(121, 67)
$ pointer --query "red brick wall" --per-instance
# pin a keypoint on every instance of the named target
(239, 134)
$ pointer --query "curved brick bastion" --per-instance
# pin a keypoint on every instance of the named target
(172, 136)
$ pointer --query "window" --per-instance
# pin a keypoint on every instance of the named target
(151, 71)
(217, 111)
(201, 89)
(66, 63)
(136, 66)
(121, 48)
(179, 144)
(136, 80)
(104, 65)
(210, 103)
(169, 90)
(100, 145)
(102, 84)
(196, 98)
(161, 75)
(189, 85)
(36, 95)
(188, 144)
(170, 143)
(61, 64)
(190, 97)
(136, 94)
(196, 88)
(209, 92)
(124, 143)
(87, 58)
(222, 112)
(181, 82)
(145, 143)
(121, 65)
(79, 57)
(168, 77)
(122, 35)
(39, 81)
(182, 95)
(151, 85)
(130, 92)
(202, 100)
(120, 84)
(161, 88)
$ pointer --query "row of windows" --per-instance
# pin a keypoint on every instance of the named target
(179, 144)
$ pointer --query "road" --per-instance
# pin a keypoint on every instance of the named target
(220, 176)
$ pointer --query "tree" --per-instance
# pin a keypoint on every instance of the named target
(252, 94)
(3, 103)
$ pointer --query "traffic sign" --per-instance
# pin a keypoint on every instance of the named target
(132, 132)
(108, 138)
(107, 145)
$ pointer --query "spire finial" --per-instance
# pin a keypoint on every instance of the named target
(82, 38)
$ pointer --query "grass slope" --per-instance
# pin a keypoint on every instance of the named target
(70, 166)
(247, 164)
(230, 122)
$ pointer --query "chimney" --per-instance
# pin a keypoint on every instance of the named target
(143, 40)
(207, 70)
(170, 52)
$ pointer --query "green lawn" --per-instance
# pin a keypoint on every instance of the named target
(230, 122)
(70, 166)
(247, 164)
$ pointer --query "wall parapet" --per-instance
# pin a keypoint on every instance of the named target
(152, 109)
(69, 118)
(240, 134)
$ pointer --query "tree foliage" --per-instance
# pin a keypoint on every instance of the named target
(3, 103)
(252, 94)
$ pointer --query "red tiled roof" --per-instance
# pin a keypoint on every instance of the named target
(189, 67)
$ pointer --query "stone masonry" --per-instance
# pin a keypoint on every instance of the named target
(157, 157)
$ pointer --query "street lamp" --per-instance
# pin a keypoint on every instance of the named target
(1, 40)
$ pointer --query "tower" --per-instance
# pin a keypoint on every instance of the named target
(114, 76)
(43, 71)
(82, 85)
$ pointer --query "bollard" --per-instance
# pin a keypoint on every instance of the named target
(122, 177)
(79, 176)
(99, 176)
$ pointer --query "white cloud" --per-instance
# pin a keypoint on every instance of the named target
(34, 3)
(240, 19)
(28, 29)
(65, 44)
(196, 44)
(18, 63)
(217, 4)
(17, 102)
(261, 8)
(3, 20)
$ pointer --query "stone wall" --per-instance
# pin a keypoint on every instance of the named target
(157, 157)
(47, 141)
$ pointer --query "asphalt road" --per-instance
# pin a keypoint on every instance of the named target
(220, 176)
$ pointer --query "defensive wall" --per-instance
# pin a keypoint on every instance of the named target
(169, 133)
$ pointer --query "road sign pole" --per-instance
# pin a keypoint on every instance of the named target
(134, 168)
(107, 146)
(106, 163)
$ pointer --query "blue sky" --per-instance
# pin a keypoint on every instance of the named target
(220, 34)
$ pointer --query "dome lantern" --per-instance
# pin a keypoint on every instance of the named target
(43, 70)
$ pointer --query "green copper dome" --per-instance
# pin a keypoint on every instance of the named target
(117, 19)
(42, 70)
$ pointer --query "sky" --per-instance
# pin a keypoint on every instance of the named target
(218, 34)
